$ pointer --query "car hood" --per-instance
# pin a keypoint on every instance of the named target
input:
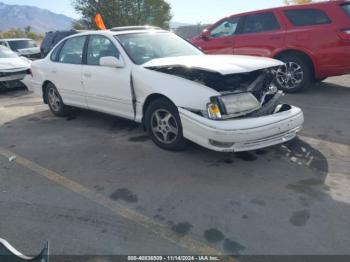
(13, 64)
(223, 64)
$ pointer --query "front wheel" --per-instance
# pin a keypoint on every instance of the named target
(164, 126)
(294, 75)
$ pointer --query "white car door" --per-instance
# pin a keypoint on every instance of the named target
(66, 72)
(107, 88)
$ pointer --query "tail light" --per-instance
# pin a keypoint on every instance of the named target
(344, 34)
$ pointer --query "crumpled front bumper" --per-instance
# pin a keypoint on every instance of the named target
(7, 77)
(242, 134)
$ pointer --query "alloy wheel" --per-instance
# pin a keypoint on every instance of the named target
(164, 126)
(290, 75)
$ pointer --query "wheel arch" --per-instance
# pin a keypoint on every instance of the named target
(44, 86)
(149, 100)
(308, 58)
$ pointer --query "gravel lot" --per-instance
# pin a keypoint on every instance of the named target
(95, 184)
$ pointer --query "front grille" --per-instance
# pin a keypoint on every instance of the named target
(5, 74)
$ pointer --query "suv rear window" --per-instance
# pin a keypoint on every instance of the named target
(346, 8)
(305, 17)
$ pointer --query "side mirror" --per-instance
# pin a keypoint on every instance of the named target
(111, 61)
(205, 34)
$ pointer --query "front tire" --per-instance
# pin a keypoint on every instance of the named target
(163, 124)
(295, 75)
(55, 101)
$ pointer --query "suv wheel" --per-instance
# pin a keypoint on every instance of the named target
(55, 101)
(163, 125)
(294, 75)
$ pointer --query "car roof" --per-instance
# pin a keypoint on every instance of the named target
(122, 32)
(293, 6)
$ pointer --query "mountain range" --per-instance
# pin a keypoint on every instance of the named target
(40, 20)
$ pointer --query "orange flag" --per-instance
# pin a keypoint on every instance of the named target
(99, 22)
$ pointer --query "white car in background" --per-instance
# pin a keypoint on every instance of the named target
(23, 47)
(151, 76)
(12, 68)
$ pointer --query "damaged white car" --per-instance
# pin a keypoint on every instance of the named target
(12, 68)
(151, 76)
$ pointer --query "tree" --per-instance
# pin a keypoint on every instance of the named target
(20, 33)
(28, 29)
(123, 12)
(297, 2)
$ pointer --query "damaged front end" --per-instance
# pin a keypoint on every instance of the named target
(251, 94)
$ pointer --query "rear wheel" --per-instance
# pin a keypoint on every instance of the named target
(164, 126)
(294, 75)
(55, 101)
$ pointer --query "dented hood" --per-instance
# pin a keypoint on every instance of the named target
(13, 64)
(223, 64)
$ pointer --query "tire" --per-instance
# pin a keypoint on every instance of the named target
(295, 75)
(163, 124)
(55, 102)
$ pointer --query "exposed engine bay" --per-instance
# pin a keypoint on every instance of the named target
(259, 83)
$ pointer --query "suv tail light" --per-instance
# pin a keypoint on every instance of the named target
(344, 34)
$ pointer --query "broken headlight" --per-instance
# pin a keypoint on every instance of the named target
(232, 105)
(239, 104)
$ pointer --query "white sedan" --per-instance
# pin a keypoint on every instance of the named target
(12, 67)
(151, 76)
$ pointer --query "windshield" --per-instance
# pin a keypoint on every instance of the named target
(143, 47)
(7, 53)
(21, 44)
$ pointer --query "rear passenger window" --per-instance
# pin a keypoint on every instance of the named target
(346, 8)
(260, 23)
(72, 51)
(305, 17)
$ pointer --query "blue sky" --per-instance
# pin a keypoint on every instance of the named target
(188, 11)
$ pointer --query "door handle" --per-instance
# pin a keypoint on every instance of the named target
(54, 71)
(87, 75)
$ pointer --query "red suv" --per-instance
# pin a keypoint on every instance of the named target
(313, 40)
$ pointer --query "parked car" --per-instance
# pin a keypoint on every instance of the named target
(52, 38)
(224, 102)
(23, 47)
(12, 68)
(313, 40)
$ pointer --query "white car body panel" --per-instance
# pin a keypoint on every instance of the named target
(182, 92)
(70, 88)
(13, 69)
(223, 64)
(108, 94)
(124, 91)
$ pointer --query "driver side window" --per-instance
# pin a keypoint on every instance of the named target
(226, 28)
(100, 46)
